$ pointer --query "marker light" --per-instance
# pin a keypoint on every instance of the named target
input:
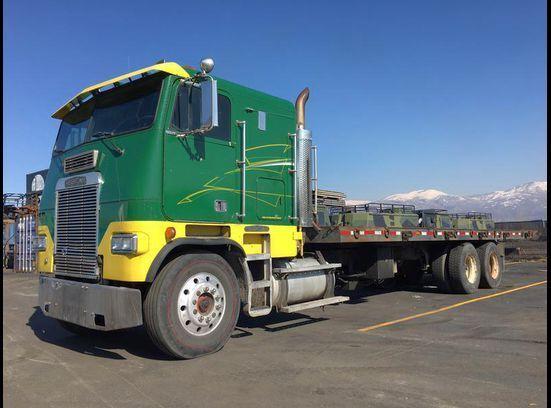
(170, 233)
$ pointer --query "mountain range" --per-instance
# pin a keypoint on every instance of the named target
(525, 202)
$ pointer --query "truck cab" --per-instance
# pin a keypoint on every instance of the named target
(163, 164)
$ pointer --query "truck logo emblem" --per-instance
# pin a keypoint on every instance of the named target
(75, 182)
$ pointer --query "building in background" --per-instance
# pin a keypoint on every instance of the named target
(19, 215)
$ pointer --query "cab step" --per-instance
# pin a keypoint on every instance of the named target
(259, 311)
(258, 257)
(314, 303)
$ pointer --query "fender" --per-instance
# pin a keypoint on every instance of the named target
(180, 242)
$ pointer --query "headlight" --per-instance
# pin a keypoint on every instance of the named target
(40, 243)
(124, 244)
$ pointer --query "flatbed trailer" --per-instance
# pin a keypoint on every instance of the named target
(178, 200)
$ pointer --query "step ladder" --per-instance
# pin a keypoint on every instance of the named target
(259, 292)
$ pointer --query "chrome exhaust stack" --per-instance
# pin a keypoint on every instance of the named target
(303, 178)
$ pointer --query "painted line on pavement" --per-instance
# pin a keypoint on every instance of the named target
(443, 309)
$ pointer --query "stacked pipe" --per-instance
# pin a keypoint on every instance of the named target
(303, 188)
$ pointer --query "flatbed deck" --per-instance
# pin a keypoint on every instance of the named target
(349, 235)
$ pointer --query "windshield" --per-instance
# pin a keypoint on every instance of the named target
(122, 109)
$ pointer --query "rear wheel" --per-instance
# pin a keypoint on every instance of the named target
(440, 273)
(192, 306)
(490, 265)
(464, 268)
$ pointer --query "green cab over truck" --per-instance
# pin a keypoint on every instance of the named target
(178, 200)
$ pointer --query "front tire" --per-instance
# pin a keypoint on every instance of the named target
(192, 306)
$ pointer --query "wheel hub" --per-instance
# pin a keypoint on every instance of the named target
(494, 266)
(205, 303)
(201, 304)
(470, 269)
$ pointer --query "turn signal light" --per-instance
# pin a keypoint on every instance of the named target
(170, 233)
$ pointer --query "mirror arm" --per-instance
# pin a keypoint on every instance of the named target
(187, 133)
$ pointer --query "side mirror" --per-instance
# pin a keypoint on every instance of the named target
(209, 104)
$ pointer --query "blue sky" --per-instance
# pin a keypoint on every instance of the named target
(404, 94)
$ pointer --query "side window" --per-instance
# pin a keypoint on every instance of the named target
(187, 109)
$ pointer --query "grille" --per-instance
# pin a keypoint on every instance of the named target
(82, 161)
(76, 231)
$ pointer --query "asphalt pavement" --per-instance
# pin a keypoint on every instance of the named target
(408, 347)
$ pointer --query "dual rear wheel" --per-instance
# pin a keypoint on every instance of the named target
(464, 268)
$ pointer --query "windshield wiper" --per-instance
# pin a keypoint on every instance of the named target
(102, 134)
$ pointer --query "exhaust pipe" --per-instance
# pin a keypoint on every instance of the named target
(299, 107)
(303, 179)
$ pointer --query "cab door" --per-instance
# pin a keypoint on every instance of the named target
(200, 174)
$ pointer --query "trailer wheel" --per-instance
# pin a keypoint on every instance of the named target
(192, 306)
(440, 273)
(464, 268)
(490, 265)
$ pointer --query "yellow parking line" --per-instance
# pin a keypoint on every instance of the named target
(443, 309)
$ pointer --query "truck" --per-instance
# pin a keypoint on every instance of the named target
(178, 200)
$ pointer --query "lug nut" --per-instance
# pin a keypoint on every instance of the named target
(194, 301)
(208, 320)
(218, 307)
(217, 298)
(194, 311)
(213, 315)
(198, 293)
(213, 290)
(201, 318)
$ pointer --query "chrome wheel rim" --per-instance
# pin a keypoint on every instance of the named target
(201, 304)
(470, 269)
(494, 266)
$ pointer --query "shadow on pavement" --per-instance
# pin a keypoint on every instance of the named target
(135, 340)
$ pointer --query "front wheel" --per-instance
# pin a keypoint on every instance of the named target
(192, 306)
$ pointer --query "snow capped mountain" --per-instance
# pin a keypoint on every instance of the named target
(429, 194)
(525, 202)
(357, 202)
